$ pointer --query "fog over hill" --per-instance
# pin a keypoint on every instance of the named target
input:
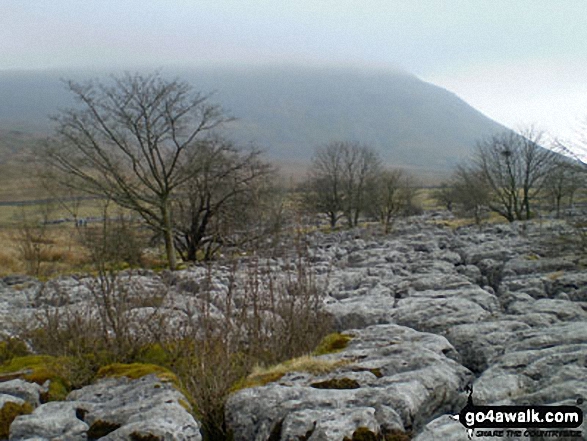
(289, 111)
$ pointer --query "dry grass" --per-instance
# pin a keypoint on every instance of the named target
(556, 275)
(458, 221)
(425, 198)
(11, 215)
(61, 253)
(313, 365)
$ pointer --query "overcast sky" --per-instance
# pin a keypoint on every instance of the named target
(517, 61)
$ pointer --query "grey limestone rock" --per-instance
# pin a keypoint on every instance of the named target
(405, 377)
(112, 409)
(51, 421)
(28, 392)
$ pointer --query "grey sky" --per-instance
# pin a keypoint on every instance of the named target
(518, 61)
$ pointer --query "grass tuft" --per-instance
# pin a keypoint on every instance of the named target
(135, 371)
(333, 343)
(262, 376)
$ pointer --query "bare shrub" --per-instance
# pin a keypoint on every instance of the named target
(212, 336)
(111, 321)
(33, 241)
(116, 241)
(264, 317)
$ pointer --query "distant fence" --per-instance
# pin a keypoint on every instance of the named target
(44, 201)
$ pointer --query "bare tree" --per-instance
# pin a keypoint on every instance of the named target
(445, 195)
(513, 166)
(361, 166)
(470, 191)
(325, 182)
(222, 200)
(565, 178)
(132, 141)
(340, 177)
(391, 196)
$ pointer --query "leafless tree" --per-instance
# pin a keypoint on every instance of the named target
(325, 182)
(391, 196)
(514, 166)
(470, 191)
(565, 178)
(222, 201)
(340, 177)
(445, 195)
(132, 141)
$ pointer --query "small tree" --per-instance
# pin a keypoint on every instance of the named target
(324, 189)
(563, 181)
(470, 191)
(392, 196)
(222, 200)
(132, 142)
(341, 175)
(514, 166)
(445, 195)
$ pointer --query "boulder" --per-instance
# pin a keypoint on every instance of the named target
(393, 378)
(51, 421)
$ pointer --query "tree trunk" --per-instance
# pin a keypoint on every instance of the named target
(333, 219)
(168, 236)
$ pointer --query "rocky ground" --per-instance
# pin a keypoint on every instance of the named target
(432, 311)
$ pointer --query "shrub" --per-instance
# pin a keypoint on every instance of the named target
(266, 315)
(12, 347)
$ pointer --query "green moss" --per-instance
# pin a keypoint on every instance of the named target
(135, 371)
(40, 368)
(337, 383)
(11, 348)
(8, 413)
(154, 354)
(333, 343)
(185, 405)
(101, 428)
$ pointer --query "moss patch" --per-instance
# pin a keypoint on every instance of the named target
(337, 383)
(134, 371)
(154, 354)
(333, 343)
(8, 413)
(40, 368)
(101, 428)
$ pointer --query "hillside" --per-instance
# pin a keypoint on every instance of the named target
(290, 111)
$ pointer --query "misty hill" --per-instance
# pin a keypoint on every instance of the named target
(288, 112)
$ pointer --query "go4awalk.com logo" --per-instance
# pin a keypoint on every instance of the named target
(521, 421)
